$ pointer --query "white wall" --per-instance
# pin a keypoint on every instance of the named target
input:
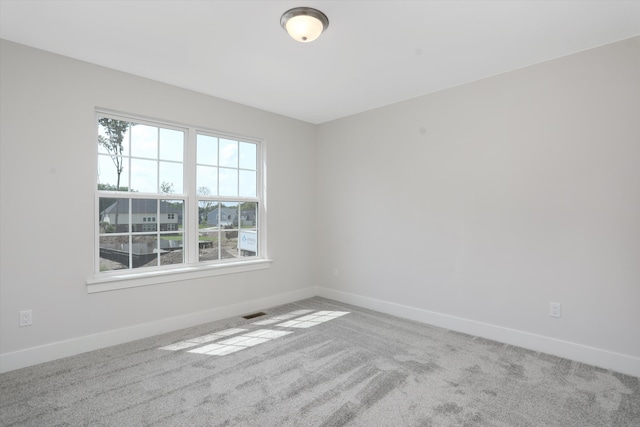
(48, 163)
(475, 207)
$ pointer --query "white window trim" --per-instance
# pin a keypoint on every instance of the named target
(130, 278)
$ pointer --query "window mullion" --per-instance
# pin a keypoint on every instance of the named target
(128, 157)
(130, 233)
(191, 202)
(261, 177)
(157, 225)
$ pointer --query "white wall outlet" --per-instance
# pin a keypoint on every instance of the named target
(335, 272)
(26, 318)
(554, 309)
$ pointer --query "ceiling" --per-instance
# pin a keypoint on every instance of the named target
(374, 53)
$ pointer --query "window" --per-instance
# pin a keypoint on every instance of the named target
(226, 176)
(173, 196)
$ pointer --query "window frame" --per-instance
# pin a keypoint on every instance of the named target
(192, 267)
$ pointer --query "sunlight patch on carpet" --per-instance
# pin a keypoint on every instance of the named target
(240, 342)
(227, 344)
(192, 342)
(312, 319)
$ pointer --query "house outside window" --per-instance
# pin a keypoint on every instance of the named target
(149, 218)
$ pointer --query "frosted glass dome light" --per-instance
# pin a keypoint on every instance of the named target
(304, 24)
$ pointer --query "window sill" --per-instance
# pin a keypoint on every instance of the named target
(111, 282)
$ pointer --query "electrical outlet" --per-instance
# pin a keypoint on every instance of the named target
(554, 309)
(26, 318)
(335, 272)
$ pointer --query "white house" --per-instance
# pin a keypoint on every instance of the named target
(146, 215)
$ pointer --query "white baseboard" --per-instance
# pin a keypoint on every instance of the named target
(48, 352)
(617, 362)
(622, 363)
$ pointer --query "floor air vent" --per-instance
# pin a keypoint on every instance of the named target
(254, 315)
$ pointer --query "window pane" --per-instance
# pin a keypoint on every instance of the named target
(113, 215)
(228, 182)
(208, 244)
(144, 213)
(144, 141)
(247, 183)
(228, 243)
(114, 252)
(225, 215)
(144, 176)
(228, 153)
(248, 234)
(207, 213)
(113, 136)
(248, 242)
(208, 234)
(171, 178)
(248, 215)
(144, 250)
(171, 249)
(171, 215)
(108, 173)
(207, 150)
(229, 229)
(171, 144)
(247, 156)
(207, 180)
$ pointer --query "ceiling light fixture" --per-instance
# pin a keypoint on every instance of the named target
(304, 24)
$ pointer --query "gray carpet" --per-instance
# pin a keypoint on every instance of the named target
(317, 369)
